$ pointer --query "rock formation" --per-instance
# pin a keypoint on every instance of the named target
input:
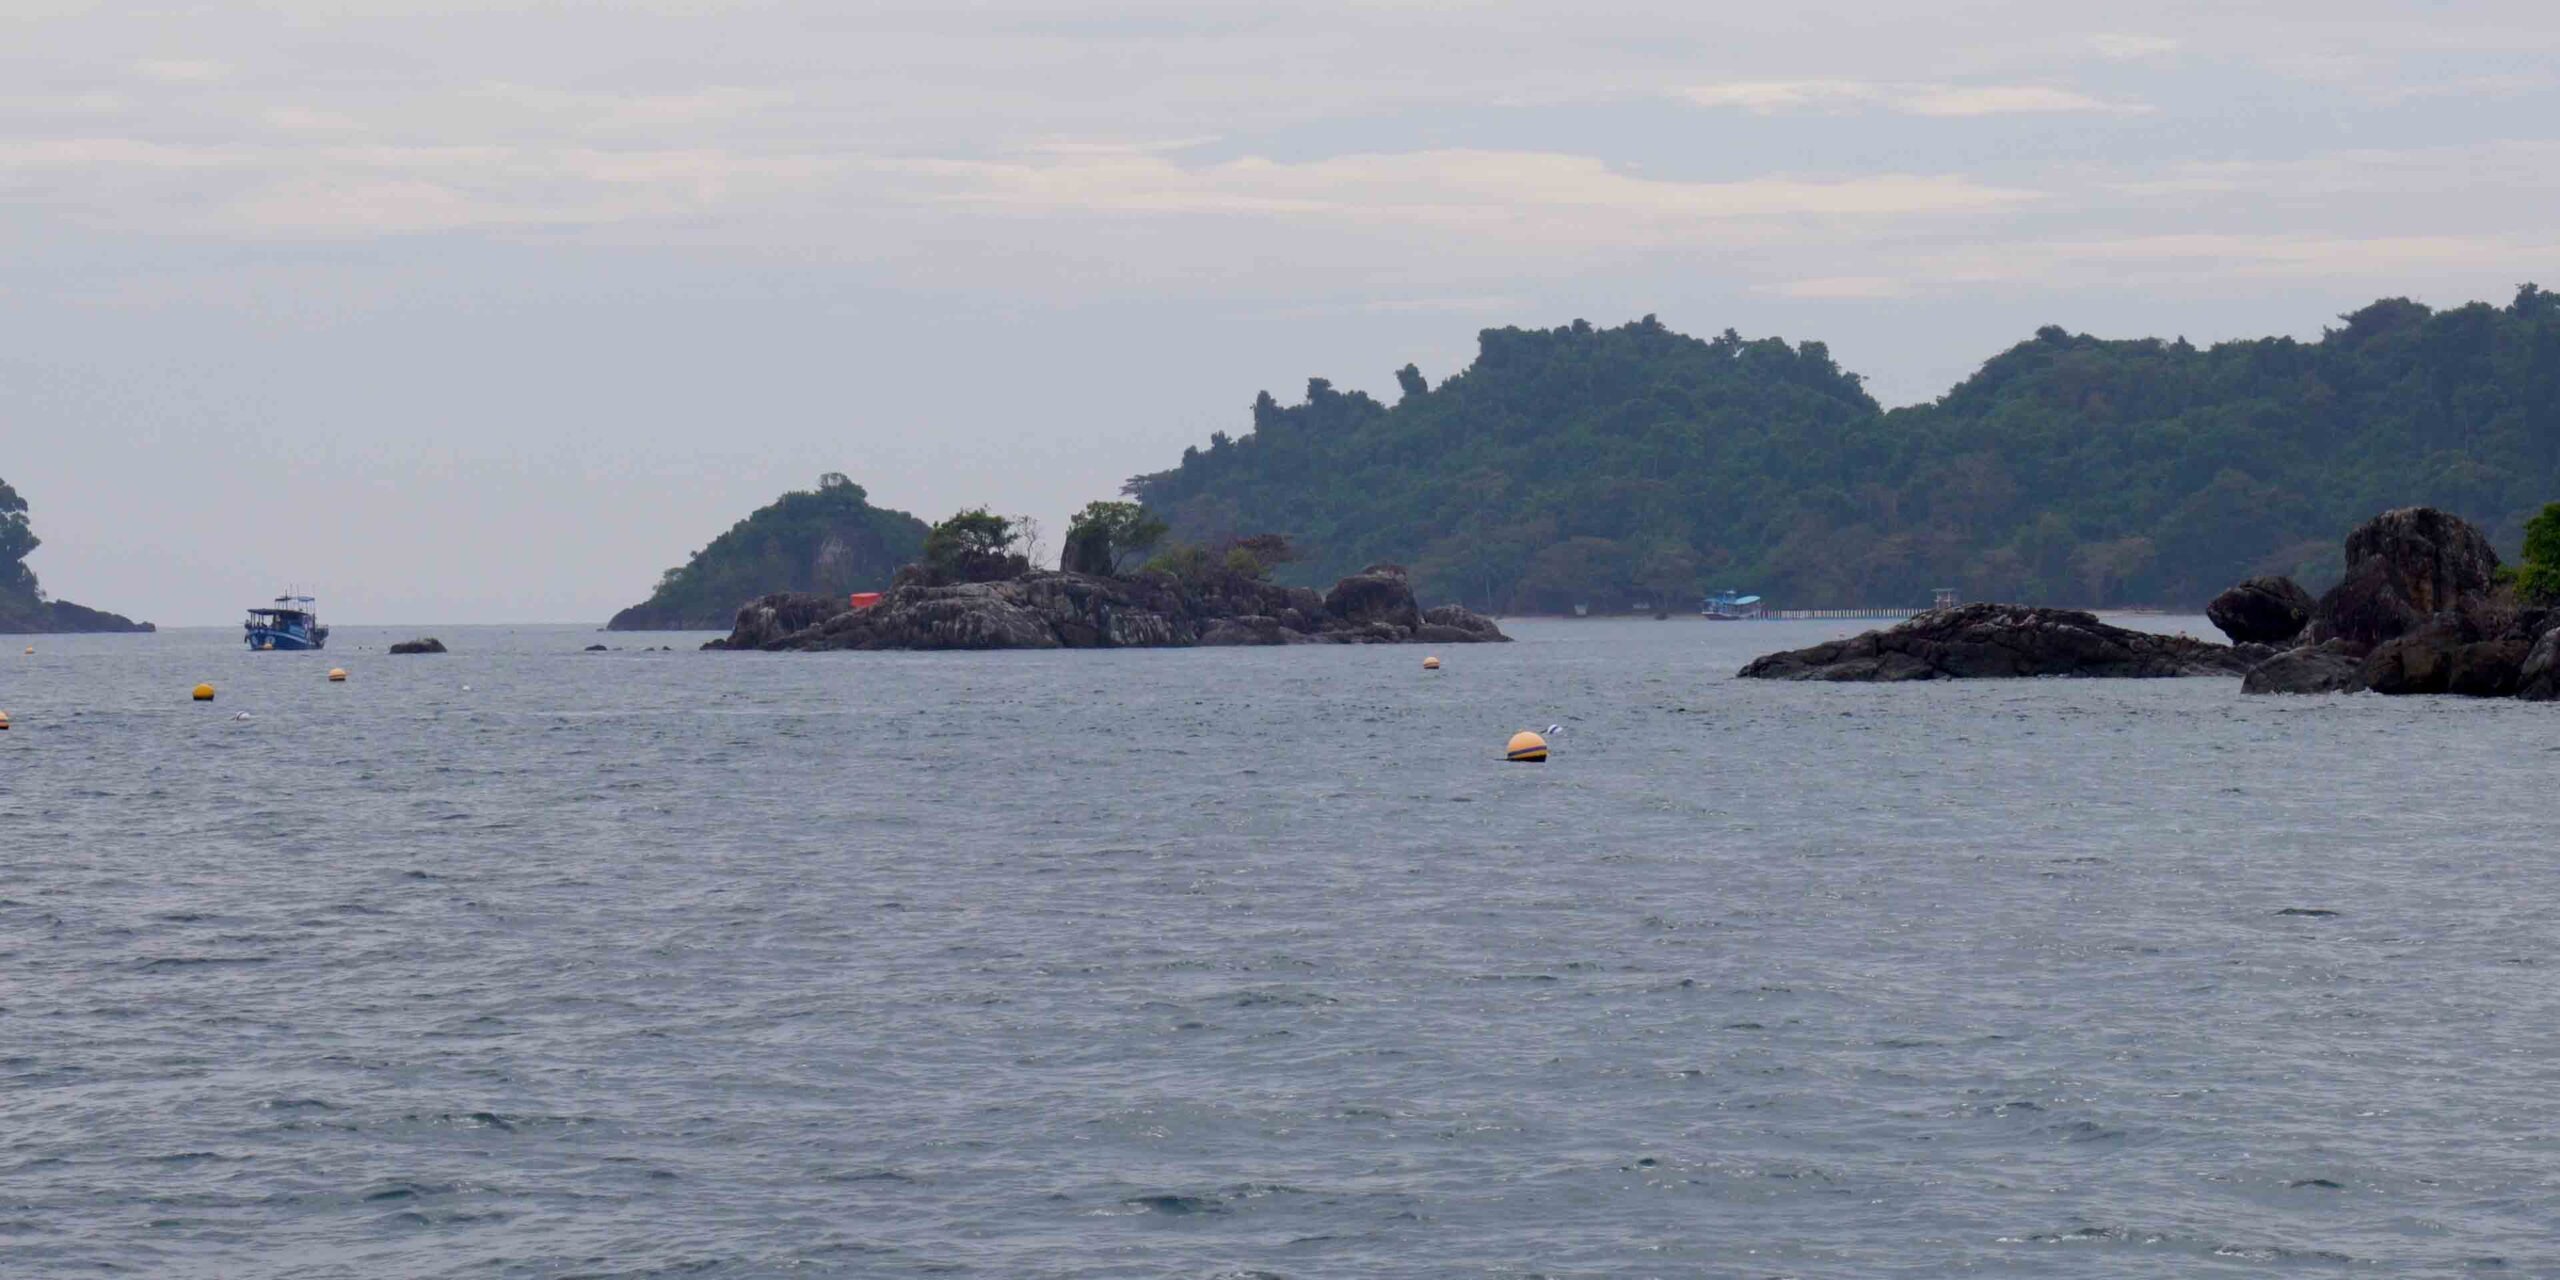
(428, 645)
(1055, 610)
(1992, 641)
(2262, 611)
(2420, 610)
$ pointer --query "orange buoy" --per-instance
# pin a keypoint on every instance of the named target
(4, 719)
(204, 693)
(337, 675)
(1430, 664)
(1526, 748)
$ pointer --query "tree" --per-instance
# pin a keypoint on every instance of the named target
(975, 545)
(2105, 565)
(1106, 536)
(1258, 555)
(2538, 579)
(17, 539)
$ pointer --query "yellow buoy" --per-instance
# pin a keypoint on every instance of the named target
(4, 719)
(1527, 748)
(337, 675)
(1430, 664)
(204, 693)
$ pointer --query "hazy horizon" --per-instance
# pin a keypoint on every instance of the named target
(461, 314)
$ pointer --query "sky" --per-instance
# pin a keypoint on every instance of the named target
(471, 312)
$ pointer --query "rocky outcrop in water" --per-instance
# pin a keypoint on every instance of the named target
(428, 645)
(1056, 610)
(2000, 641)
(2420, 610)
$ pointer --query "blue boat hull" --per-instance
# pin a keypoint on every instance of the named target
(285, 641)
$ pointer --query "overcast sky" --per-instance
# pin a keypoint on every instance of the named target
(468, 312)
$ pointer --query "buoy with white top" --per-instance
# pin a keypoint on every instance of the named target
(204, 693)
(1526, 748)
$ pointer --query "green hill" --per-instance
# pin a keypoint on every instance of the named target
(829, 540)
(24, 610)
(1618, 466)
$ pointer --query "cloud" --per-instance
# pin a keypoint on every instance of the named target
(1840, 287)
(1775, 97)
(181, 70)
(1500, 194)
(2125, 47)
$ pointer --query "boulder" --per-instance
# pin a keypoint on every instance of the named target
(2440, 557)
(2329, 667)
(767, 619)
(2419, 660)
(2403, 567)
(1379, 593)
(1461, 618)
(428, 645)
(2269, 610)
(2538, 680)
(2489, 668)
(2000, 641)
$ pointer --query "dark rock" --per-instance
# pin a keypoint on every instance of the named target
(2262, 611)
(2488, 668)
(1994, 641)
(1460, 617)
(2250, 655)
(2419, 660)
(763, 621)
(1379, 593)
(2328, 667)
(1088, 551)
(2538, 680)
(428, 645)
(595, 648)
(1044, 610)
(2440, 557)
(2403, 567)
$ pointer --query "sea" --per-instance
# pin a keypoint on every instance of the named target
(527, 961)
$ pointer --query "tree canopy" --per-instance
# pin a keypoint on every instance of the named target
(975, 545)
(1620, 466)
(1107, 537)
(830, 540)
(17, 538)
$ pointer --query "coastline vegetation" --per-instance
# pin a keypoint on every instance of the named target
(829, 540)
(1618, 467)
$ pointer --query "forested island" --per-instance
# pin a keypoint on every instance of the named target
(24, 610)
(1635, 465)
(827, 541)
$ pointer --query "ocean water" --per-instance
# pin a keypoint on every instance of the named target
(528, 962)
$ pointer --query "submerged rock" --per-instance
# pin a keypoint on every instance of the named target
(428, 645)
(2262, 611)
(1057, 610)
(2000, 641)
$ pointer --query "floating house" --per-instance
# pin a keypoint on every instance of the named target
(1733, 606)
